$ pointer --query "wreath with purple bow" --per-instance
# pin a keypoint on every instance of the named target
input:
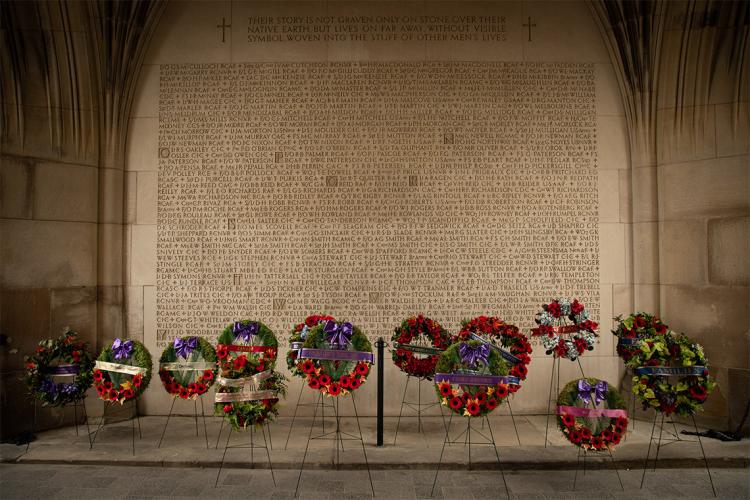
(187, 367)
(122, 371)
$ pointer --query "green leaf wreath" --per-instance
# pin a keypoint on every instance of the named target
(188, 384)
(65, 353)
(299, 334)
(120, 387)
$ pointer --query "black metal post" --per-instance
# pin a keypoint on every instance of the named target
(381, 347)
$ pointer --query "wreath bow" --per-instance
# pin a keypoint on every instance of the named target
(471, 355)
(244, 332)
(185, 348)
(122, 349)
(585, 389)
(338, 335)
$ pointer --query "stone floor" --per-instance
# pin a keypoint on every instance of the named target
(57, 461)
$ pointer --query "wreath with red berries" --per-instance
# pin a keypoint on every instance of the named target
(515, 346)
(671, 374)
(59, 371)
(248, 390)
(348, 353)
(187, 367)
(297, 339)
(407, 356)
(565, 329)
(591, 414)
(122, 371)
(633, 329)
(472, 379)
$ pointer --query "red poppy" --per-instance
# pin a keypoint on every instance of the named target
(97, 375)
(324, 379)
(585, 434)
(640, 321)
(100, 390)
(491, 403)
(184, 393)
(465, 397)
(568, 420)
(208, 375)
(575, 436)
(201, 388)
(616, 436)
(607, 435)
(363, 369)
(456, 403)
(519, 371)
(40, 349)
(222, 351)
(334, 389)
(113, 395)
(501, 390)
(597, 442)
(621, 423)
(307, 366)
(356, 382)
(661, 329)
(314, 383)
(445, 389)
(127, 394)
(227, 408)
(108, 385)
(240, 362)
(481, 397)
(698, 392)
(345, 381)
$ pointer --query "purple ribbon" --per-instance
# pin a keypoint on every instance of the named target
(476, 379)
(62, 370)
(338, 335)
(244, 332)
(473, 354)
(122, 349)
(335, 355)
(585, 390)
(186, 347)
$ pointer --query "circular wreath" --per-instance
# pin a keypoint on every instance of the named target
(565, 328)
(335, 377)
(198, 371)
(246, 347)
(65, 358)
(472, 357)
(298, 336)
(119, 386)
(424, 330)
(685, 361)
(633, 329)
(591, 414)
(497, 332)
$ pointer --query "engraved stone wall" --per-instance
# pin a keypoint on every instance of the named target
(372, 191)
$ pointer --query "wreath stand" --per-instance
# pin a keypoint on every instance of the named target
(195, 413)
(675, 439)
(418, 407)
(338, 436)
(317, 403)
(102, 423)
(466, 434)
(583, 453)
(553, 399)
(76, 403)
(221, 429)
(252, 447)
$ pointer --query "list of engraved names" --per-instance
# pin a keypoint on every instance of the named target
(373, 191)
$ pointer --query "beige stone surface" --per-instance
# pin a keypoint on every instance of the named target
(686, 134)
(608, 96)
(609, 196)
(111, 324)
(612, 253)
(733, 129)
(74, 308)
(645, 252)
(647, 298)
(143, 144)
(613, 142)
(25, 315)
(706, 188)
(130, 194)
(110, 195)
(729, 251)
(146, 101)
(16, 187)
(143, 248)
(146, 197)
(47, 254)
(110, 254)
(134, 312)
(625, 196)
(65, 192)
(644, 194)
(682, 252)
(622, 299)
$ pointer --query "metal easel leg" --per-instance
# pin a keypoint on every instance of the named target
(135, 417)
(401, 411)
(617, 471)
(578, 466)
(362, 440)
(555, 364)
(195, 413)
(86, 417)
(648, 452)
(205, 429)
(497, 454)
(223, 456)
(169, 415)
(268, 453)
(304, 456)
(513, 418)
(442, 450)
(221, 428)
(703, 452)
(99, 427)
(294, 415)
(658, 445)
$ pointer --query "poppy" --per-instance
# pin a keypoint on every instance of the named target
(208, 375)
(363, 369)
(473, 408)
(491, 403)
(324, 379)
(227, 408)
(501, 391)
(314, 383)
(698, 392)
(445, 389)
(568, 420)
(345, 381)
(585, 434)
(334, 389)
(456, 403)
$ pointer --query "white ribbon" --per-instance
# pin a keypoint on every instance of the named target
(118, 368)
(187, 366)
(229, 397)
(243, 381)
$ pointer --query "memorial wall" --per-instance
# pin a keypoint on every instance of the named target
(372, 161)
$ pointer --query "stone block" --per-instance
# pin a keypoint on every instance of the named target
(63, 191)
(729, 251)
(707, 188)
(608, 96)
(149, 314)
(41, 254)
(647, 299)
(733, 129)
(142, 149)
(644, 194)
(16, 187)
(645, 252)
(74, 308)
(146, 100)
(146, 197)
(25, 320)
(682, 252)
(612, 253)
(622, 299)
(131, 197)
(110, 195)
(686, 134)
(609, 195)
(143, 255)
(714, 316)
(614, 148)
(110, 257)
(110, 315)
(134, 312)
(625, 196)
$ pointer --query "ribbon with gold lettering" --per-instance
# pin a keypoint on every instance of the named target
(118, 368)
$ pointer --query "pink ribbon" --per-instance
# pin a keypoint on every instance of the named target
(575, 411)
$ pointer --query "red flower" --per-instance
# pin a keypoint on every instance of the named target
(597, 442)
(698, 392)
(501, 390)
(227, 408)
(98, 376)
(208, 375)
(31, 366)
(222, 351)
(445, 389)
(568, 420)
(334, 389)
(519, 371)
(184, 393)
(473, 408)
(575, 436)
(240, 362)
(585, 434)
(554, 309)
(113, 395)
(481, 397)
(581, 345)
(345, 381)
(616, 436)
(314, 383)
(127, 393)
(201, 388)
(356, 382)
(456, 403)
(307, 366)
(627, 333)
(40, 349)
(640, 322)
(661, 329)
(491, 403)
(108, 385)
(100, 390)
(362, 369)
(137, 380)
(324, 379)
(576, 307)
(621, 423)
(607, 435)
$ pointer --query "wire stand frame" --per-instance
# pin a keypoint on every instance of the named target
(318, 402)
(195, 413)
(466, 434)
(583, 453)
(551, 399)
(676, 439)
(338, 436)
(252, 447)
(419, 407)
(76, 403)
(221, 429)
(134, 418)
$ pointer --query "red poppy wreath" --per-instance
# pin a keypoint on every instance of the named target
(417, 345)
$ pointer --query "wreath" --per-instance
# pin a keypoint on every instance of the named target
(591, 414)
(122, 371)
(246, 347)
(665, 356)
(515, 346)
(560, 338)
(187, 367)
(248, 390)
(59, 371)
(633, 329)
(335, 358)
(431, 340)
(297, 338)
(471, 378)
